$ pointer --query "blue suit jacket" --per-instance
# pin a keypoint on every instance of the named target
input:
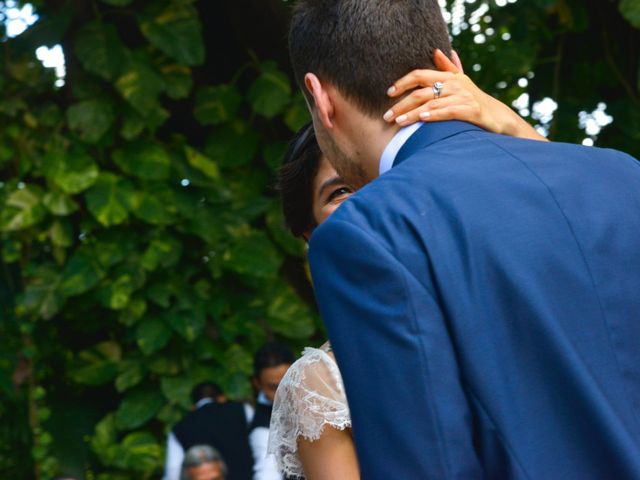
(483, 302)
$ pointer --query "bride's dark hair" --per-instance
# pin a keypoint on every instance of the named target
(295, 181)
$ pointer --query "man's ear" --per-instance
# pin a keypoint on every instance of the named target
(321, 98)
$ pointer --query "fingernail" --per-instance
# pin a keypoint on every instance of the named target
(391, 90)
(387, 116)
(425, 114)
(401, 118)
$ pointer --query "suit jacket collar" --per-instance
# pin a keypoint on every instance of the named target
(430, 133)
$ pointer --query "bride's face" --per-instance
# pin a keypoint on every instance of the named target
(329, 191)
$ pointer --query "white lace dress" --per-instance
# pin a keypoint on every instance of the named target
(309, 397)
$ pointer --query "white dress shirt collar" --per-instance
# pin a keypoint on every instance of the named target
(203, 401)
(262, 398)
(394, 146)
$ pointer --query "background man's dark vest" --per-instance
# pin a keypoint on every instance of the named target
(224, 427)
(262, 416)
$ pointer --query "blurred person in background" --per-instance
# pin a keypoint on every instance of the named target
(202, 462)
(216, 422)
(270, 364)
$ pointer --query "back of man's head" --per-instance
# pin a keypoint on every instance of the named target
(363, 46)
(271, 354)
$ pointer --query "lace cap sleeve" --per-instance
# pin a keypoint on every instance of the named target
(309, 397)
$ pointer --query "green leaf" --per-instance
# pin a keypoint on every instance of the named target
(72, 171)
(175, 31)
(162, 365)
(152, 334)
(630, 10)
(133, 312)
(297, 115)
(132, 125)
(6, 154)
(177, 390)
(164, 251)
(61, 233)
(280, 233)
(160, 294)
(99, 49)
(117, 292)
(141, 453)
(104, 434)
(232, 145)
(140, 85)
(273, 154)
(114, 246)
(137, 408)
(90, 119)
(42, 296)
(154, 206)
(11, 250)
(146, 160)
(253, 255)
(178, 80)
(131, 374)
(216, 105)
(59, 204)
(109, 200)
(82, 273)
(97, 365)
(23, 209)
(188, 324)
(202, 163)
(271, 92)
(289, 316)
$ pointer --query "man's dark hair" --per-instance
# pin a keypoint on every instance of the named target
(363, 46)
(205, 390)
(295, 181)
(270, 355)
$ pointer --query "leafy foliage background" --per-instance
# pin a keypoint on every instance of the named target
(142, 242)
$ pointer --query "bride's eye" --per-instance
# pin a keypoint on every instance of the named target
(338, 193)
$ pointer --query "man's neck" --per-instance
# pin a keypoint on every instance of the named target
(372, 136)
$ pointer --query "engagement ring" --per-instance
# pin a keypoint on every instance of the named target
(437, 89)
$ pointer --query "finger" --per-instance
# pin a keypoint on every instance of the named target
(450, 112)
(455, 58)
(443, 63)
(448, 101)
(425, 110)
(417, 78)
(407, 104)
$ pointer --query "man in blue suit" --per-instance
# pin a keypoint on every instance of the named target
(491, 284)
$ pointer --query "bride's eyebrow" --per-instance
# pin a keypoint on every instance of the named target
(331, 182)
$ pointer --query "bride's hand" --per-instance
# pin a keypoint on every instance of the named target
(460, 99)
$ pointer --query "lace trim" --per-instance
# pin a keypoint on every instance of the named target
(310, 397)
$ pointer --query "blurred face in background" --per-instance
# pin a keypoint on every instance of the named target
(206, 471)
(269, 378)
